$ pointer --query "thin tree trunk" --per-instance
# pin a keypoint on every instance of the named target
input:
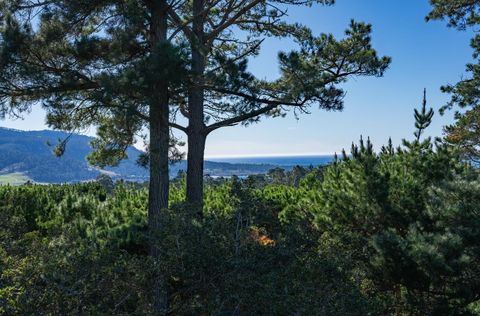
(159, 145)
(196, 127)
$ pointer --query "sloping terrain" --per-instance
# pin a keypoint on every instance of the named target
(30, 153)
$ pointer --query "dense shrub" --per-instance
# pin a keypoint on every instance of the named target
(409, 221)
(390, 233)
(77, 249)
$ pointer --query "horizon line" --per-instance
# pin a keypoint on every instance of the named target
(270, 155)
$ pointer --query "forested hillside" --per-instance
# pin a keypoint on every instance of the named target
(31, 153)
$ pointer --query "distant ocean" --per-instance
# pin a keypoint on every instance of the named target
(281, 161)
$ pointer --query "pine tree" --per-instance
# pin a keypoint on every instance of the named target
(108, 64)
(423, 119)
(408, 219)
(223, 93)
(464, 134)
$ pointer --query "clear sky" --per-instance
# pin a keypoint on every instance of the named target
(425, 55)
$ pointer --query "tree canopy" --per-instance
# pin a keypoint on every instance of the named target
(222, 36)
(465, 94)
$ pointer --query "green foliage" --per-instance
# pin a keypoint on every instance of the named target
(458, 13)
(64, 250)
(464, 133)
(408, 220)
(240, 259)
(308, 77)
(308, 74)
(423, 119)
(88, 63)
(388, 233)
(76, 249)
(465, 94)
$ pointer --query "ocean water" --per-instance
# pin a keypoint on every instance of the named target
(281, 161)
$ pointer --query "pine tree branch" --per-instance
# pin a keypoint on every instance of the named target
(32, 5)
(227, 22)
(253, 98)
(35, 91)
(235, 120)
(185, 23)
(178, 126)
(182, 25)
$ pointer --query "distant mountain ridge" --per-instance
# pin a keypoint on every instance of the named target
(28, 153)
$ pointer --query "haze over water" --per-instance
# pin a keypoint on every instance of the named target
(281, 161)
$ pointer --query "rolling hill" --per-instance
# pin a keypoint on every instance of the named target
(27, 154)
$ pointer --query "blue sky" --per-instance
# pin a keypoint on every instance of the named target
(425, 55)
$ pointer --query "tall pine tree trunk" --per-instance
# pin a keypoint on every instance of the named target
(159, 145)
(158, 194)
(196, 130)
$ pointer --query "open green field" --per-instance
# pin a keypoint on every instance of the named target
(16, 178)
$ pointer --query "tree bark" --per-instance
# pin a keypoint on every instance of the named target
(196, 130)
(196, 150)
(159, 145)
(158, 195)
